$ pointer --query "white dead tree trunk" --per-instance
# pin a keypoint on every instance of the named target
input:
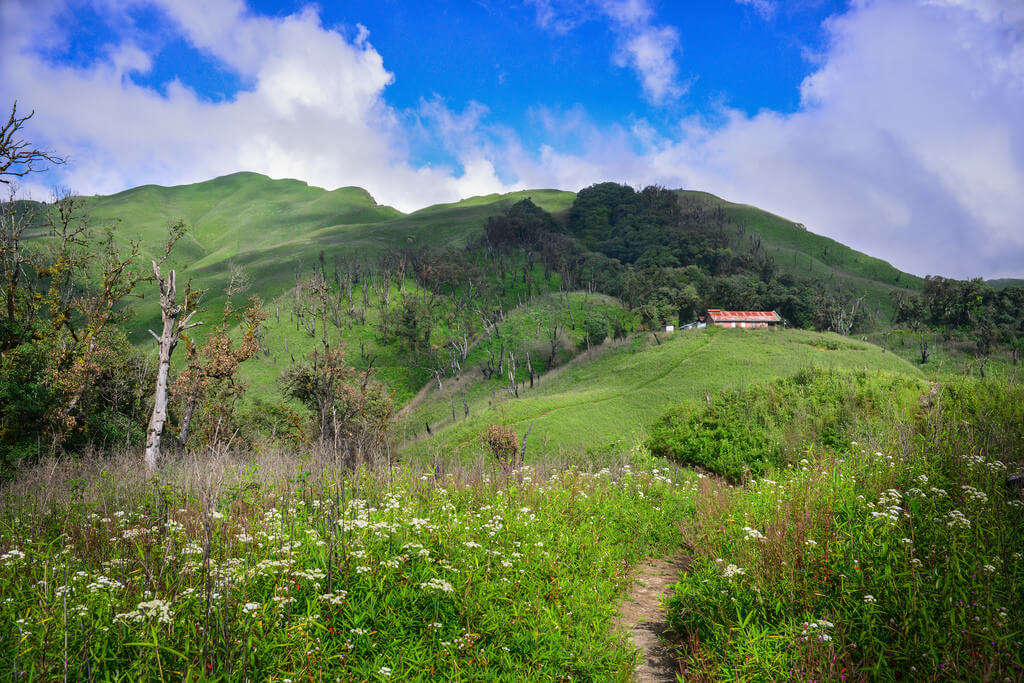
(176, 319)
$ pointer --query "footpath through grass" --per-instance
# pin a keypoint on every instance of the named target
(260, 575)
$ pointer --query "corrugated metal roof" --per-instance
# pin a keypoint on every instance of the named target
(719, 316)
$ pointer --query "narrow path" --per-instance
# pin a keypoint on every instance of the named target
(642, 617)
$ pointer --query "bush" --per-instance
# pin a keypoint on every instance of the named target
(748, 432)
(502, 442)
(595, 331)
(900, 556)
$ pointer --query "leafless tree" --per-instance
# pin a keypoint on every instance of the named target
(19, 157)
(924, 348)
(177, 318)
(555, 341)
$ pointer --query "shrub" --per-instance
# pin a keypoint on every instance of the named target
(502, 442)
(748, 432)
(900, 556)
(595, 331)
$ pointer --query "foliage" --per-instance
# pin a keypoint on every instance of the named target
(745, 433)
(352, 412)
(67, 374)
(502, 443)
(897, 555)
(508, 575)
(209, 380)
(595, 330)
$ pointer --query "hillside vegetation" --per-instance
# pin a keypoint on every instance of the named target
(609, 398)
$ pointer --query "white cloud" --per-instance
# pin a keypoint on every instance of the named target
(766, 8)
(315, 109)
(908, 142)
(640, 43)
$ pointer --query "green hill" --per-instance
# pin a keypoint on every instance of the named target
(1005, 282)
(612, 397)
(800, 252)
(269, 226)
(276, 230)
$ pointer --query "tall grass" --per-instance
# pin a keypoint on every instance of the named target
(273, 568)
(897, 556)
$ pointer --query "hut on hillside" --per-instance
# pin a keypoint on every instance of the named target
(722, 318)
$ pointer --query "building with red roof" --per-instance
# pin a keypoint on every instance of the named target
(722, 318)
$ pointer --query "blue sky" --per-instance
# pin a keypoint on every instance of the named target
(891, 125)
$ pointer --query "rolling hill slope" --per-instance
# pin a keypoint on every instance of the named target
(613, 396)
(802, 253)
(268, 226)
(274, 229)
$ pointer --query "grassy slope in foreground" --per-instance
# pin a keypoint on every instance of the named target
(617, 395)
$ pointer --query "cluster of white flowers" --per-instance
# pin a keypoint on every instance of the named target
(250, 608)
(12, 556)
(810, 543)
(752, 534)
(869, 599)
(890, 502)
(438, 585)
(732, 570)
(103, 583)
(974, 495)
(818, 629)
(956, 519)
(152, 609)
(335, 598)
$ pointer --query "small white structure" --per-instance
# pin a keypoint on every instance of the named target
(670, 328)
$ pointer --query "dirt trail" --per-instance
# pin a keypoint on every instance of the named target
(642, 617)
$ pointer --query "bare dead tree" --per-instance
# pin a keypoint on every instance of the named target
(19, 157)
(176, 318)
(554, 339)
(513, 386)
(15, 261)
(842, 317)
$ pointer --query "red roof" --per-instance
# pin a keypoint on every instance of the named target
(718, 316)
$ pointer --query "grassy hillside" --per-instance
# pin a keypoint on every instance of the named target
(527, 329)
(613, 396)
(270, 227)
(1005, 282)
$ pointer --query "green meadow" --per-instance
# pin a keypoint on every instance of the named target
(608, 398)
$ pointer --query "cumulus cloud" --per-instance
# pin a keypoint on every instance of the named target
(640, 43)
(315, 109)
(908, 142)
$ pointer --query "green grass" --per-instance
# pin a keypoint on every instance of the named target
(897, 556)
(313, 575)
(951, 355)
(611, 398)
(750, 432)
(525, 330)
